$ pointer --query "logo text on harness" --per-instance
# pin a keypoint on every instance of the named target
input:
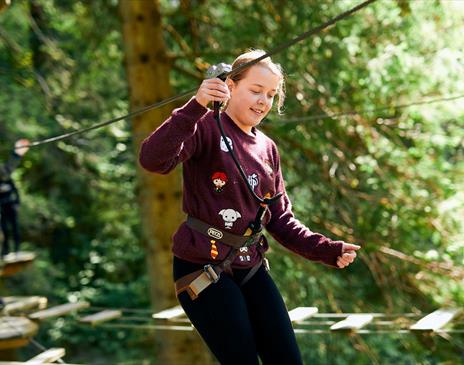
(212, 232)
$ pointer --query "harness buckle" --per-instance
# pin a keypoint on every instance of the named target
(209, 271)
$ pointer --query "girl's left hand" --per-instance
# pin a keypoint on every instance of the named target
(348, 255)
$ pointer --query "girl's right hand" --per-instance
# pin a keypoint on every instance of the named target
(212, 90)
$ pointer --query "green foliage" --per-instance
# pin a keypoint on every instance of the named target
(381, 176)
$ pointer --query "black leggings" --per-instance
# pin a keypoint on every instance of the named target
(240, 323)
(9, 217)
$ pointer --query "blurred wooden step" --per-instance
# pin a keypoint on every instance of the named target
(171, 313)
(301, 313)
(15, 262)
(100, 317)
(58, 311)
(15, 305)
(27, 363)
(15, 332)
(353, 322)
(435, 320)
(48, 356)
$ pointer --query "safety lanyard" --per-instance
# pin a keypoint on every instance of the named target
(220, 71)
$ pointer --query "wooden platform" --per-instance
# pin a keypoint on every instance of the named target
(100, 317)
(353, 322)
(17, 305)
(344, 322)
(171, 313)
(302, 313)
(15, 332)
(15, 262)
(435, 320)
(58, 311)
(50, 355)
(29, 363)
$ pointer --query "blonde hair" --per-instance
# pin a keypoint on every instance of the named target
(275, 68)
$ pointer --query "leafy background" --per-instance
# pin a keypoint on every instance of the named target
(381, 176)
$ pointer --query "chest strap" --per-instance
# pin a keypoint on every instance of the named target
(230, 239)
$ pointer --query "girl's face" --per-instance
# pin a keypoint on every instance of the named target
(251, 98)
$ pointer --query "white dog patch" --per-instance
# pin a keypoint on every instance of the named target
(229, 216)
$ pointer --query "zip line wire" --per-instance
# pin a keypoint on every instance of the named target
(190, 92)
(292, 120)
(365, 111)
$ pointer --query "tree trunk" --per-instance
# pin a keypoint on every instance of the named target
(148, 67)
(4, 4)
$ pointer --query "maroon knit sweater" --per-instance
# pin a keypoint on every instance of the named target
(215, 193)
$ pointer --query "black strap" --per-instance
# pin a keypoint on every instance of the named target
(233, 240)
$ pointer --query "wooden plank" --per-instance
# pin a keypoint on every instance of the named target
(25, 363)
(170, 313)
(14, 262)
(50, 355)
(18, 257)
(58, 311)
(14, 305)
(16, 327)
(353, 322)
(301, 313)
(435, 320)
(15, 332)
(103, 316)
(14, 343)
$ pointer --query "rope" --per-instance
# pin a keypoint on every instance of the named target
(297, 330)
(190, 92)
(363, 111)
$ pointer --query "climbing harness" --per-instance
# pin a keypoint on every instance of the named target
(196, 282)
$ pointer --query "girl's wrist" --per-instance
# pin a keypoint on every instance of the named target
(203, 103)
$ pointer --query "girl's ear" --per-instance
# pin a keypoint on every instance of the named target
(230, 84)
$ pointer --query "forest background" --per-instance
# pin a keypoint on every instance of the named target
(361, 164)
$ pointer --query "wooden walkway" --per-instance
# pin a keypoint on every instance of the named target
(16, 331)
(339, 322)
(15, 262)
(47, 357)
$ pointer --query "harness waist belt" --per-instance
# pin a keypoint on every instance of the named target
(230, 239)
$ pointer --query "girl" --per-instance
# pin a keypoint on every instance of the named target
(221, 283)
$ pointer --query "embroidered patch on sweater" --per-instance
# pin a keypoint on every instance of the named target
(253, 180)
(229, 216)
(223, 144)
(244, 254)
(219, 181)
(214, 250)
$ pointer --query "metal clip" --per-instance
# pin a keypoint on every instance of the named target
(219, 70)
(209, 271)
